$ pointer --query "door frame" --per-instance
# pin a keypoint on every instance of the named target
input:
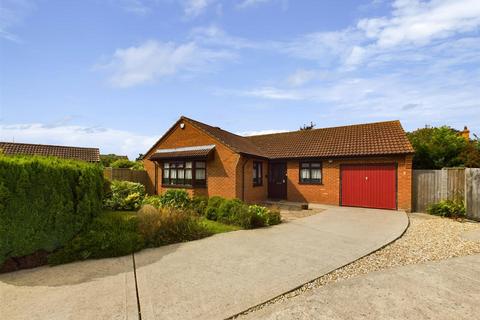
(395, 164)
(285, 189)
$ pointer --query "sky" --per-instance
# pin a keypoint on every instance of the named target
(116, 74)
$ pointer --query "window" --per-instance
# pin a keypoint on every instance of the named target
(257, 173)
(311, 172)
(184, 173)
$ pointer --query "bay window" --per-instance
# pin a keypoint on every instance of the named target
(184, 173)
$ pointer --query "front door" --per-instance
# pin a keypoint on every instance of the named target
(277, 180)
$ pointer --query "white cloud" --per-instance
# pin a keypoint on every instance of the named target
(252, 3)
(260, 132)
(154, 60)
(419, 22)
(272, 93)
(213, 35)
(138, 7)
(108, 140)
(12, 14)
(301, 77)
(194, 8)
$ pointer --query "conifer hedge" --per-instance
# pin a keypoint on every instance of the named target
(44, 202)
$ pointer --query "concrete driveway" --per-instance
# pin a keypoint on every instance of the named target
(212, 278)
(448, 289)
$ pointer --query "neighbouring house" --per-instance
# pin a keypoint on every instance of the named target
(67, 152)
(366, 165)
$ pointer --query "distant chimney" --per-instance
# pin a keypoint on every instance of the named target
(465, 133)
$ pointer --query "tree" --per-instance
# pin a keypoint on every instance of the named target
(127, 164)
(107, 159)
(308, 126)
(436, 148)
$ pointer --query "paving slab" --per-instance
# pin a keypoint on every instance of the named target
(217, 277)
(447, 289)
(96, 289)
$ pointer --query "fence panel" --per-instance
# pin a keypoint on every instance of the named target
(122, 174)
(472, 193)
(426, 188)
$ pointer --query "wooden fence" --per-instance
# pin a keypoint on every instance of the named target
(139, 176)
(431, 186)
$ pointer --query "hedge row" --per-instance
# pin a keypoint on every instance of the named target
(44, 202)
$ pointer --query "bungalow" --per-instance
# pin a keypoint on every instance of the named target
(366, 165)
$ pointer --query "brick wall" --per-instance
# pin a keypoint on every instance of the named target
(254, 194)
(221, 170)
(329, 191)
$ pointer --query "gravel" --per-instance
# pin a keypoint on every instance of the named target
(428, 238)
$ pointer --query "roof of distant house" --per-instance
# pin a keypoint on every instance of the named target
(67, 152)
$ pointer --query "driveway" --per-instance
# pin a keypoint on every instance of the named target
(212, 278)
(447, 289)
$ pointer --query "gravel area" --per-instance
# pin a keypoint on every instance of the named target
(428, 238)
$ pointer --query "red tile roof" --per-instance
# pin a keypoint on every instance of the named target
(237, 143)
(380, 138)
(76, 153)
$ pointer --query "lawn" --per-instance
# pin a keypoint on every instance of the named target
(217, 227)
(118, 233)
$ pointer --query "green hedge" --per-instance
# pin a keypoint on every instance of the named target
(44, 202)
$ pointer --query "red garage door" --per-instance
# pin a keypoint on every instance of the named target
(370, 186)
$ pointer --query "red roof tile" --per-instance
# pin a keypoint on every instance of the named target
(381, 138)
(76, 153)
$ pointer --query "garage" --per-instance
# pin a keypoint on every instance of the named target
(369, 186)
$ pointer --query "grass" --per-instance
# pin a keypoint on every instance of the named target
(217, 227)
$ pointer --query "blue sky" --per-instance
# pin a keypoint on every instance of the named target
(117, 73)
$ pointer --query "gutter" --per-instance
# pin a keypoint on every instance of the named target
(243, 178)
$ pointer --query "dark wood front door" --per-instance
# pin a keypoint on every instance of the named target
(277, 180)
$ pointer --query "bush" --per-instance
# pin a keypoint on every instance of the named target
(155, 201)
(228, 210)
(44, 202)
(274, 216)
(448, 208)
(127, 164)
(199, 204)
(125, 195)
(175, 198)
(112, 234)
(168, 225)
(259, 216)
(214, 203)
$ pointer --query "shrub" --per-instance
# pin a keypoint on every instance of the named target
(168, 225)
(448, 208)
(125, 195)
(259, 216)
(175, 198)
(228, 210)
(274, 217)
(111, 234)
(199, 204)
(214, 203)
(155, 201)
(127, 164)
(44, 202)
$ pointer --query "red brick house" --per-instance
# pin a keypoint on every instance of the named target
(366, 165)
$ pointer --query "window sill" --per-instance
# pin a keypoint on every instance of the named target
(183, 186)
(311, 183)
